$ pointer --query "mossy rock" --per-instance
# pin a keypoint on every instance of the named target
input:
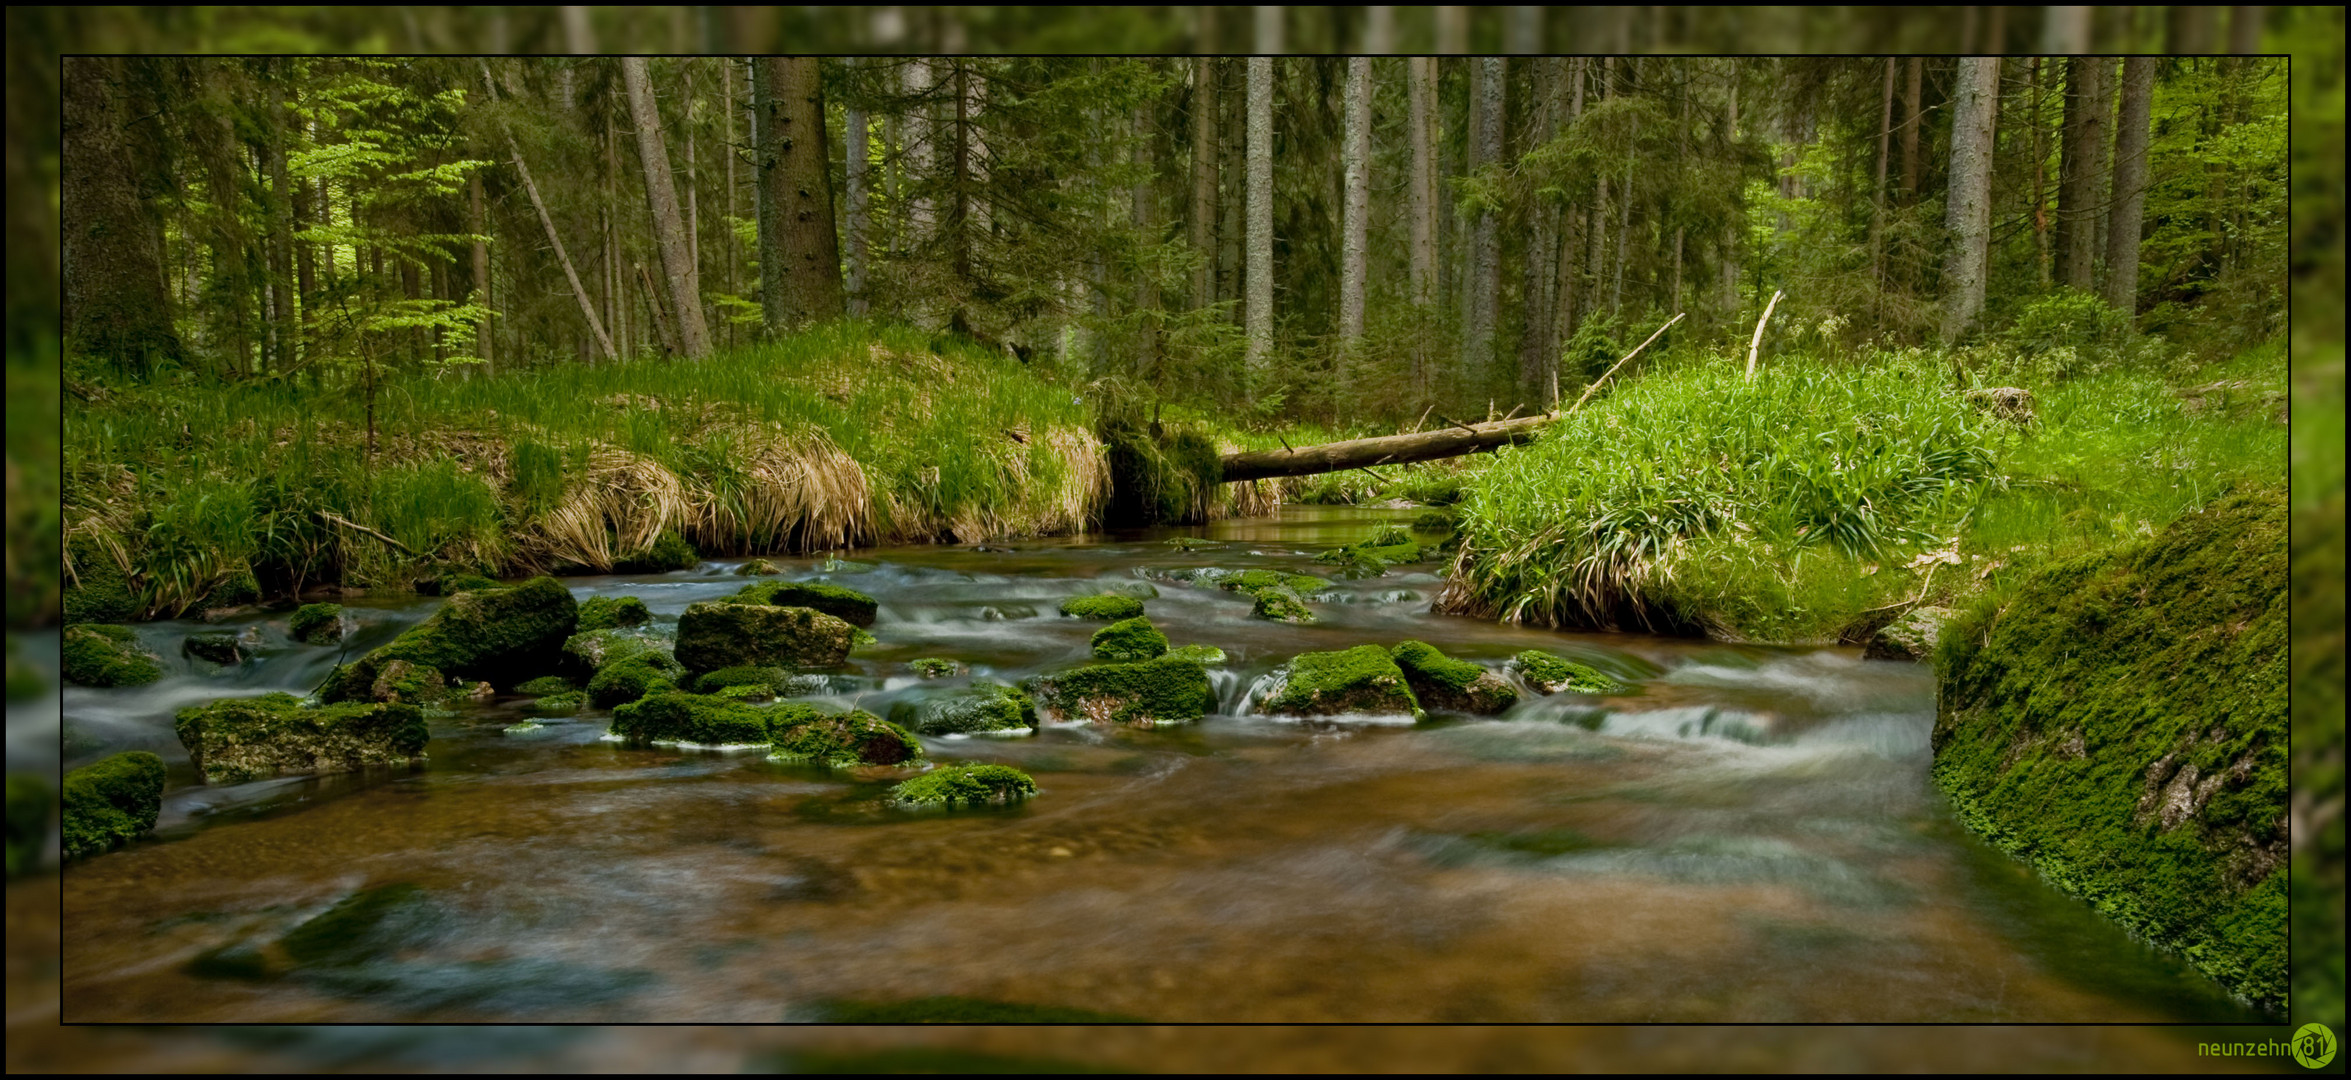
(626, 680)
(568, 703)
(669, 552)
(502, 636)
(1129, 640)
(757, 568)
(239, 590)
(847, 605)
(834, 564)
(1373, 559)
(1104, 606)
(317, 624)
(213, 646)
(931, 667)
(452, 580)
(613, 612)
(1550, 674)
(965, 785)
(1440, 682)
(545, 685)
(1189, 543)
(97, 654)
(1168, 690)
(109, 802)
(701, 719)
(984, 706)
(1911, 637)
(720, 634)
(400, 680)
(235, 740)
(769, 680)
(1204, 655)
(29, 815)
(102, 593)
(2120, 722)
(841, 740)
(1280, 605)
(1253, 580)
(1363, 680)
(587, 653)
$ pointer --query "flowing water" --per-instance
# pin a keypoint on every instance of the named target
(1749, 835)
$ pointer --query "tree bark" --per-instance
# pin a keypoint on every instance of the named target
(2127, 212)
(1443, 442)
(1260, 270)
(578, 291)
(1356, 207)
(481, 273)
(1975, 100)
(794, 169)
(920, 213)
(1877, 219)
(1204, 170)
(1539, 289)
(2086, 111)
(1485, 276)
(857, 167)
(116, 303)
(1422, 73)
(2041, 223)
(734, 285)
(661, 197)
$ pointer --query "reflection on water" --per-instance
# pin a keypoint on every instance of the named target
(1748, 835)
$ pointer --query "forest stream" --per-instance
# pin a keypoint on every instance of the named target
(1749, 835)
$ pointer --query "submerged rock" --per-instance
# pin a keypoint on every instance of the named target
(589, 652)
(504, 635)
(841, 740)
(1129, 639)
(1253, 580)
(1441, 682)
(1205, 655)
(757, 568)
(1168, 690)
(546, 684)
(1911, 637)
(610, 612)
(1104, 606)
(1550, 674)
(703, 719)
(317, 624)
(931, 667)
(235, 740)
(719, 634)
(847, 605)
(102, 655)
(1363, 680)
(107, 803)
(214, 646)
(965, 785)
(984, 706)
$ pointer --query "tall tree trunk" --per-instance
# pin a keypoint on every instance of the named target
(1421, 71)
(2087, 108)
(1538, 289)
(693, 178)
(1569, 258)
(2041, 223)
(917, 81)
(2065, 31)
(1355, 209)
(116, 303)
(2188, 29)
(281, 231)
(795, 171)
(857, 168)
(1260, 271)
(2128, 208)
(661, 197)
(1485, 276)
(480, 225)
(1204, 170)
(1913, 118)
(959, 212)
(1146, 215)
(1877, 218)
(578, 291)
(1975, 100)
(1232, 210)
(734, 263)
(1730, 230)
(2245, 29)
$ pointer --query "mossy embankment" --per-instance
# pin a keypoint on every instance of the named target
(2119, 721)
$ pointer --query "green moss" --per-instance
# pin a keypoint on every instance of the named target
(568, 703)
(111, 801)
(966, 785)
(1129, 639)
(757, 568)
(1441, 682)
(1438, 519)
(213, 646)
(1550, 674)
(360, 927)
(100, 655)
(501, 635)
(545, 685)
(702, 719)
(669, 552)
(847, 605)
(1364, 679)
(1168, 690)
(627, 680)
(317, 624)
(28, 822)
(717, 634)
(453, 582)
(842, 740)
(983, 706)
(2120, 723)
(609, 612)
(934, 668)
(587, 653)
(1253, 580)
(235, 740)
(1280, 605)
(765, 679)
(1204, 655)
(102, 592)
(1105, 606)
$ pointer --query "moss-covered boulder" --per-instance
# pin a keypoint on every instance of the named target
(567, 703)
(449, 579)
(1129, 639)
(545, 685)
(1104, 606)
(213, 647)
(847, 605)
(757, 568)
(1439, 681)
(252, 738)
(2120, 722)
(317, 624)
(840, 740)
(1911, 637)
(1550, 674)
(1168, 690)
(1204, 655)
(718, 634)
(97, 654)
(983, 706)
(932, 667)
(613, 612)
(1280, 605)
(700, 719)
(1363, 680)
(402, 681)
(1251, 581)
(28, 822)
(100, 591)
(502, 635)
(110, 802)
(965, 785)
(765, 680)
(633, 677)
(669, 552)
(586, 653)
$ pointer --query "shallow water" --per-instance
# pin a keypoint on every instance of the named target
(1750, 835)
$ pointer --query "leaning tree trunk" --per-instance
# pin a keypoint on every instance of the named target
(578, 291)
(1975, 99)
(805, 253)
(116, 303)
(1452, 440)
(1260, 269)
(669, 227)
(2086, 110)
(2128, 212)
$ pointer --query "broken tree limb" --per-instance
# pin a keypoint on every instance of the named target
(1755, 346)
(349, 524)
(1590, 390)
(1443, 442)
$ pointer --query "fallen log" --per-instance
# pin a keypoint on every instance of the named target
(1444, 442)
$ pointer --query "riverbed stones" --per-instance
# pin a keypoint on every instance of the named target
(109, 802)
(669, 551)
(317, 624)
(1550, 674)
(213, 646)
(504, 635)
(1103, 606)
(1204, 655)
(982, 706)
(1911, 637)
(718, 634)
(1166, 690)
(932, 667)
(757, 568)
(235, 740)
(840, 740)
(1362, 681)
(1279, 604)
(586, 653)
(104, 655)
(612, 612)
(402, 681)
(621, 681)
(759, 680)
(965, 786)
(700, 719)
(1129, 640)
(847, 605)
(1439, 681)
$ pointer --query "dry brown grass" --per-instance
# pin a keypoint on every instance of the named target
(620, 507)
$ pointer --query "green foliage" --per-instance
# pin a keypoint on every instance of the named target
(931, 667)
(107, 803)
(766, 679)
(1364, 679)
(965, 785)
(847, 605)
(1279, 604)
(105, 656)
(669, 552)
(1129, 639)
(621, 681)
(704, 720)
(1104, 606)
